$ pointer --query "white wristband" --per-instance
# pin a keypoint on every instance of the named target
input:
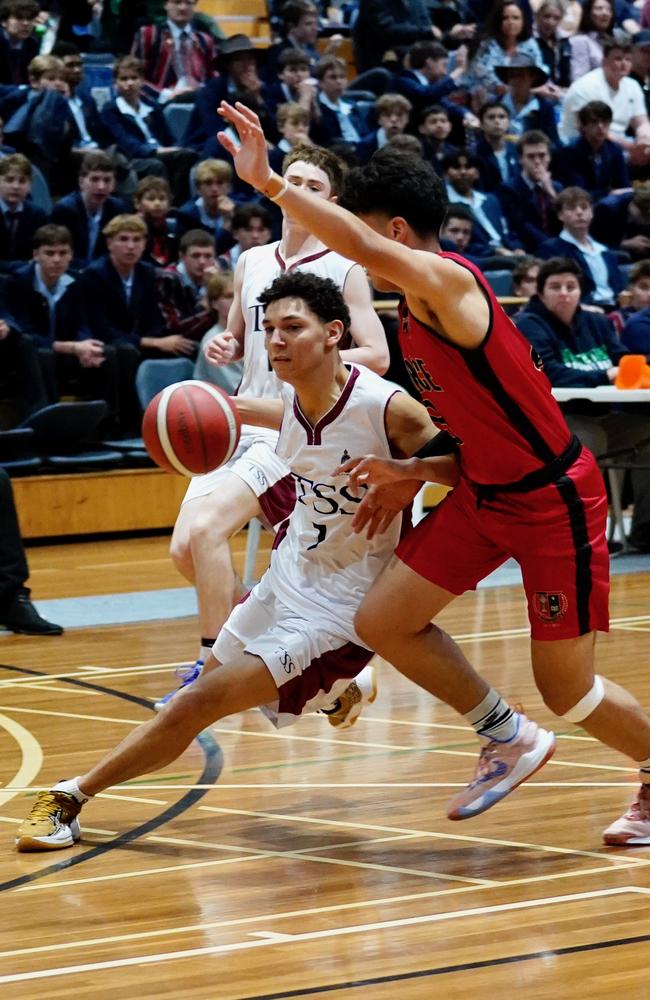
(281, 193)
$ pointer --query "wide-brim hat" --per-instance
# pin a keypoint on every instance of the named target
(522, 61)
(233, 46)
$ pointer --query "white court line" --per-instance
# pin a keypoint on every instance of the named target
(89, 671)
(332, 932)
(68, 691)
(72, 715)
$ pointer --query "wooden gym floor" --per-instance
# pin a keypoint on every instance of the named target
(305, 863)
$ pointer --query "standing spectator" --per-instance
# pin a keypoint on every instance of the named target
(592, 161)
(17, 613)
(529, 201)
(497, 156)
(338, 119)
(553, 42)
(602, 278)
(213, 207)
(612, 85)
(19, 217)
(18, 43)
(383, 24)
(176, 58)
(596, 25)
(527, 110)
(47, 303)
(87, 211)
(580, 348)
(507, 33)
(141, 133)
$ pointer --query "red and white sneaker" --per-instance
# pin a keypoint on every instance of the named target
(633, 828)
(501, 767)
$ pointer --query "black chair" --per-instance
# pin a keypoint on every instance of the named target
(66, 435)
(17, 449)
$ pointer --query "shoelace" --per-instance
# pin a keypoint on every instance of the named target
(187, 673)
(42, 808)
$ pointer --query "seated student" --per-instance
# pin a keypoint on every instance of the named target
(392, 112)
(88, 129)
(434, 127)
(19, 218)
(152, 201)
(457, 236)
(427, 80)
(338, 119)
(592, 161)
(580, 348)
(252, 226)
(176, 58)
(529, 200)
(294, 83)
(120, 297)
(524, 278)
(623, 222)
(4, 150)
(181, 287)
(196, 263)
(497, 156)
(38, 120)
(292, 122)
(527, 110)
(491, 234)
(141, 133)
(219, 294)
(635, 337)
(602, 277)
(87, 211)
(634, 298)
(213, 207)
(47, 303)
(299, 30)
(18, 42)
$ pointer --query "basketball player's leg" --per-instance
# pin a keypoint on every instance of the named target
(395, 620)
(243, 683)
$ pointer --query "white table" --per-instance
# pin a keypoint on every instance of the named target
(608, 394)
(602, 394)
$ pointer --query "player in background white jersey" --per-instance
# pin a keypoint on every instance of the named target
(254, 484)
(291, 645)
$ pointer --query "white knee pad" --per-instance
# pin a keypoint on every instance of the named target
(589, 703)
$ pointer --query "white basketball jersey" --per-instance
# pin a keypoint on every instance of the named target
(319, 566)
(261, 266)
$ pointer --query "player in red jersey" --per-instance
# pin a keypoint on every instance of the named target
(528, 490)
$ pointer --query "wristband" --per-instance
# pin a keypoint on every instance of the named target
(281, 193)
(442, 444)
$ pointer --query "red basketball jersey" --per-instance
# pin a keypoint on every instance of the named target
(494, 399)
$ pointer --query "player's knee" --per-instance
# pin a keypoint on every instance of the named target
(180, 553)
(369, 627)
(208, 528)
(574, 709)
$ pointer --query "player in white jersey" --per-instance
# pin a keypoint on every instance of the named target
(290, 646)
(254, 483)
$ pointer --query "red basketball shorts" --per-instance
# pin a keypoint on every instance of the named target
(556, 534)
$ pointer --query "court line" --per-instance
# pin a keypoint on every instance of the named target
(66, 691)
(31, 758)
(302, 785)
(332, 932)
(72, 715)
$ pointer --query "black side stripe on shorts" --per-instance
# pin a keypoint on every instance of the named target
(576, 510)
(483, 372)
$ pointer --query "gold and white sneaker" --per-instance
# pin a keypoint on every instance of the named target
(359, 692)
(51, 825)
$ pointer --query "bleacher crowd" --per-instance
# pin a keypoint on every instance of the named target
(121, 218)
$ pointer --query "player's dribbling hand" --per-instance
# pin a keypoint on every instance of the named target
(220, 350)
(250, 157)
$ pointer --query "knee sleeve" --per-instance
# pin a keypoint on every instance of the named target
(588, 704)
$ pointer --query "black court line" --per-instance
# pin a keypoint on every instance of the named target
(447, 969)
(211, 770)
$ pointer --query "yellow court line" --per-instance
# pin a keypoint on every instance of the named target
(332, 932)
(615, 860)
(31, 758)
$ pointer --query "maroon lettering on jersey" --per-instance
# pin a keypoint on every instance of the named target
(493, 398)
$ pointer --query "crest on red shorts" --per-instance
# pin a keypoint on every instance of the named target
(550, 607)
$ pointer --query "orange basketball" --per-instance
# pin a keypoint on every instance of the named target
(191, 427)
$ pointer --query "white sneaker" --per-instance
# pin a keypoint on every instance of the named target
(633, 828)
(359, 692)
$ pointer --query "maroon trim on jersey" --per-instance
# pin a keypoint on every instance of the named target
(279, 500)
(314, 433)
(319, 675)
(301, 261)
(280, 534)
(386, 412)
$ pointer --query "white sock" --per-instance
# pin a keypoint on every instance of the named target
(72, 788)
(205, 648)
(493, 719)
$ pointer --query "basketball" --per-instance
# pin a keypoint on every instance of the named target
(191, 427)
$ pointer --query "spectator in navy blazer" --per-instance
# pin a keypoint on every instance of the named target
(382, 24)
(18, 43)
(635, 337)
(19, 218)
(47, 303)
(427, 80)
(592, 161)
(213, 207)
(434, 127)
(393, 112)
(339, 120)
(294, 83)
(88, 129)
(87, 211)
(491, 233)
(603, 279)
(300, 26)
(498, 157)
(140, 130)
(623, 221)
(529, 201)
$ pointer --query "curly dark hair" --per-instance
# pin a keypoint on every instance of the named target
(321, 295)
(398, 184)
